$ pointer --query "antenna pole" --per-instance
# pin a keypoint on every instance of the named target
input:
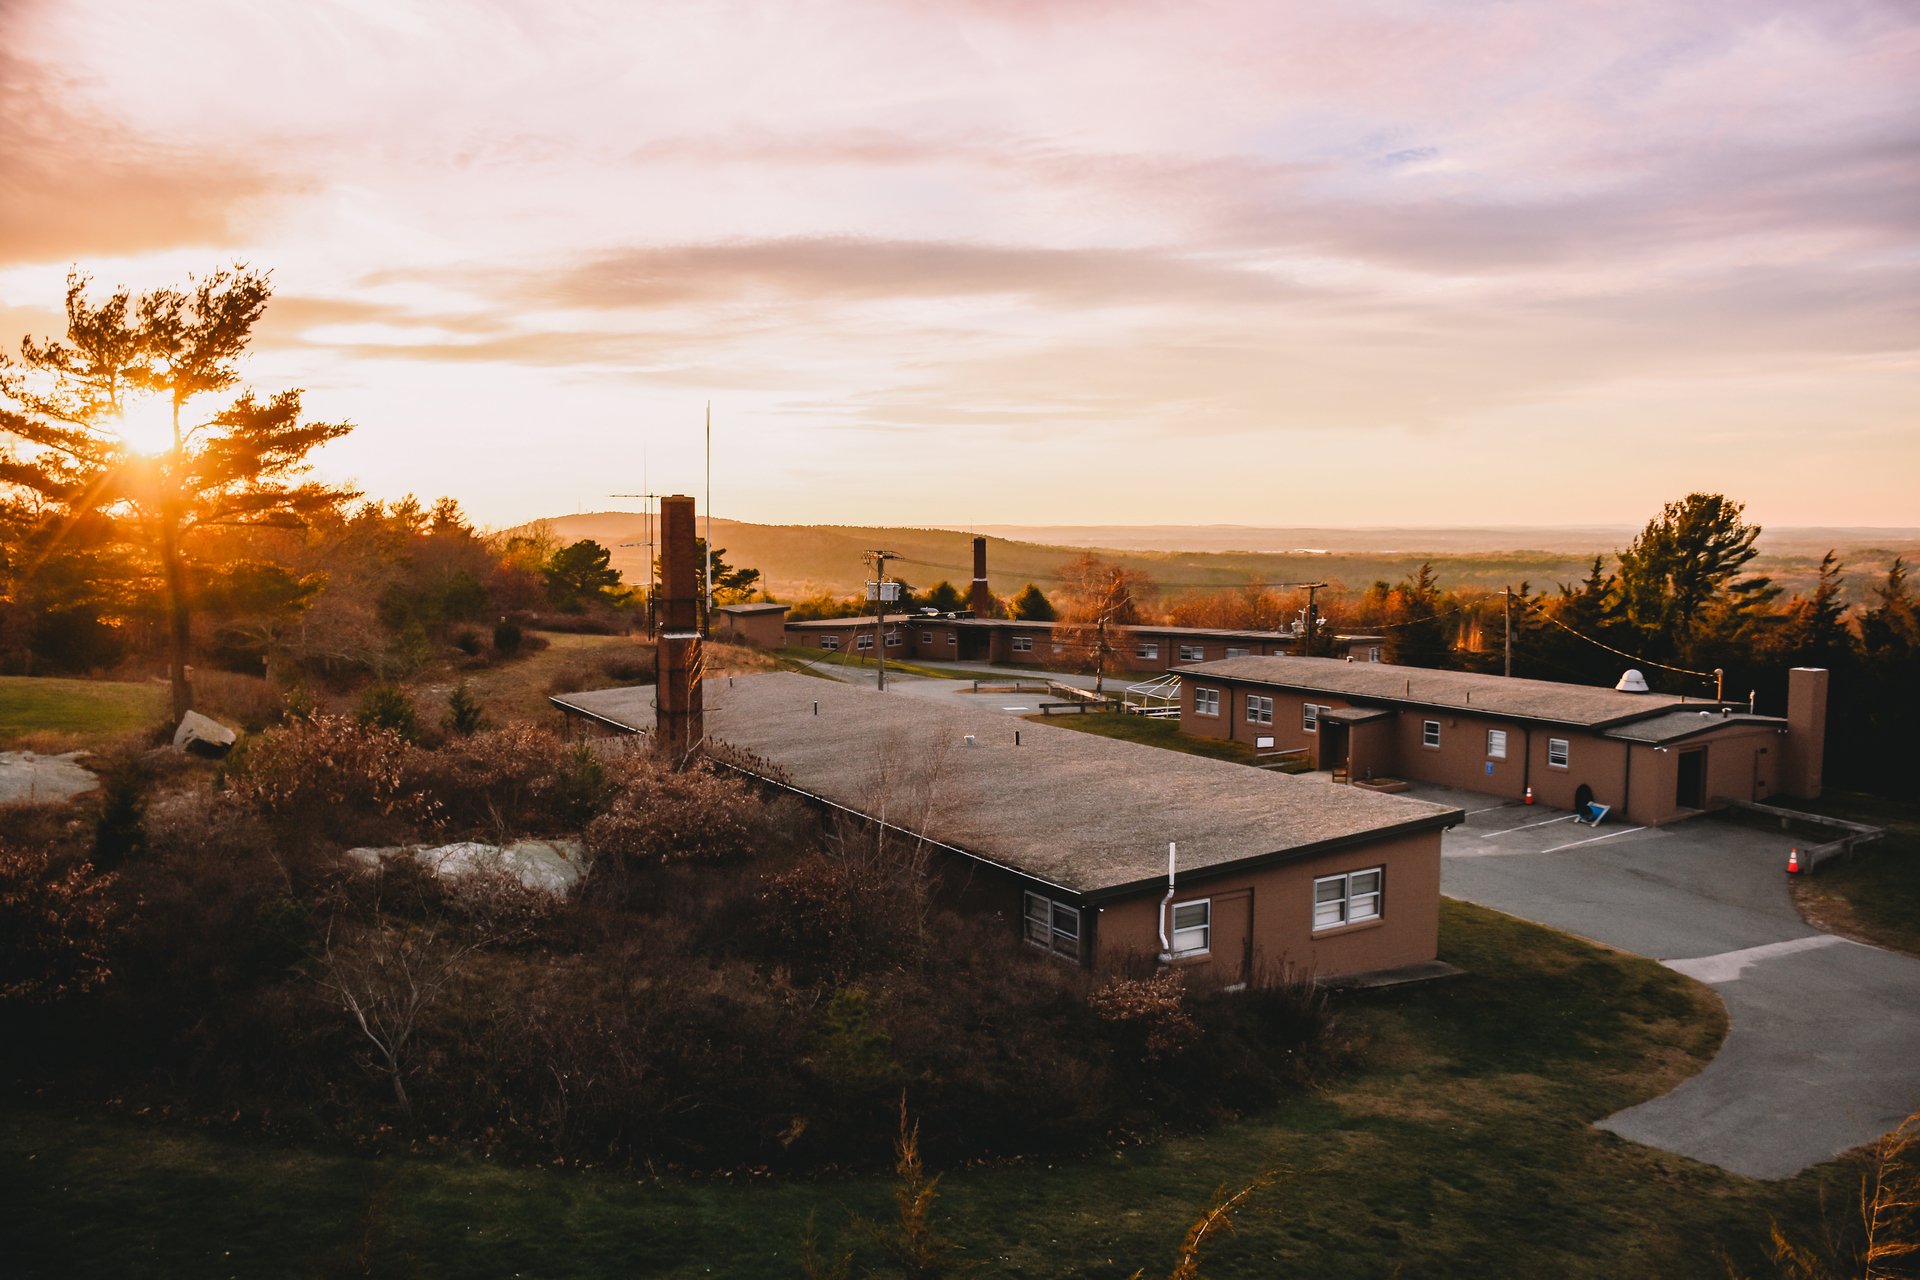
(1506, 594)
(878, 588)
(706, 618)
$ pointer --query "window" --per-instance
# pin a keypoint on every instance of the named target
(1206, 702)
(1193, 653)
(864, 640)
(1146, 651)
(1496, 744)
(1192, 927)
(926, 637)
(1429, 733)
(1052, 925)
(1238, 653)
(1347, 899)
(829, 642)
(1259, 710)
(1557, 753)
(1023, 644)
(1309, 717)
(953, 637)
(1373, 653)
(894, 638)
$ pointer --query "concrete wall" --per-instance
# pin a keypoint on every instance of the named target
(1263, 919)
(1802, 768)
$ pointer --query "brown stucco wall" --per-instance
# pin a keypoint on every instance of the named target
(1279, 937)
(762, 630)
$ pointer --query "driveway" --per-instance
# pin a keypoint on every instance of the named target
(1823, 1051)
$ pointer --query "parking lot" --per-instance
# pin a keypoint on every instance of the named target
(1825, 1033)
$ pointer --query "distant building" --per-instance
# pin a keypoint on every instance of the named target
(763, 626)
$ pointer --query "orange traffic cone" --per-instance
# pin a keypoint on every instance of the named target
(1793, 862)
(1529, 795)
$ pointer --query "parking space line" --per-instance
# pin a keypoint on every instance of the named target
(1530, 826)
(1593, 839)
(1489, 809)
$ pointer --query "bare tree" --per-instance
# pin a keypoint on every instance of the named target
(386, 981)
(1095, 599)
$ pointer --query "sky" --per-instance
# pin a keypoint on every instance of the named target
(1456, 262)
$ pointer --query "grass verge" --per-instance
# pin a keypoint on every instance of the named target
(814, 658)
(1151, 732)
(42, 713)
(1460, 1146)
(1872, 894)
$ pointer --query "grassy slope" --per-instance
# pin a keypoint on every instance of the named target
(1460, 1146)
(68, 715)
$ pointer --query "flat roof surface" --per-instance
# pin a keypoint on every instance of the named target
(1675, 725)
(1087, 814)
(751, 608)
(1572, 704)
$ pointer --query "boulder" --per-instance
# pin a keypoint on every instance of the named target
(552, 866)
(203, 736)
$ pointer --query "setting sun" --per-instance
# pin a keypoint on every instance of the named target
(145, 424)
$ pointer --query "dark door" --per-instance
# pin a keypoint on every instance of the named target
(1333, 745)
(1690, 792)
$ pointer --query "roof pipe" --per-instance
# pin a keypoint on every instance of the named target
(1166, 943)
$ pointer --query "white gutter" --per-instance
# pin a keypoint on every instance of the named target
(1166, 943)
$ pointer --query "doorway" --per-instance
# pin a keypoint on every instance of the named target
(1690, 789)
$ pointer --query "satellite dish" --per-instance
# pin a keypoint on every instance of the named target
(1632, 682)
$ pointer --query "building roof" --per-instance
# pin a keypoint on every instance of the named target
(1085, 814)
(1672, 726)
(751, 608)
(1542, 700)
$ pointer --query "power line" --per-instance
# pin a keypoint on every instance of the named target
(1631, 657)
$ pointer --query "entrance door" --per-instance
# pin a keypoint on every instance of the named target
(1333, 747)
(1232, 936)
(1690, 791)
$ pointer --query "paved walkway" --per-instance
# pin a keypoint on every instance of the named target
(1823, 1052)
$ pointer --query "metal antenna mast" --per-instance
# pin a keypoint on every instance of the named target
(706, 618)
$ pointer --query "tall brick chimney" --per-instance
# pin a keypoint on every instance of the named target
(1806, 747)
(679, 722)
(981, 601)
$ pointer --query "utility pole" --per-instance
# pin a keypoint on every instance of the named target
(1312, 614)
(1506, 594)
(877, 591)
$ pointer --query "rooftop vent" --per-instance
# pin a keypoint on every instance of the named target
(1632, 682)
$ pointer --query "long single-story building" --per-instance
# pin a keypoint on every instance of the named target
(1652, 757)
(1066, 835)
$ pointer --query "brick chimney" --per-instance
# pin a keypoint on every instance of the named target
(981, 601)
(1806, 747)
(679, 723)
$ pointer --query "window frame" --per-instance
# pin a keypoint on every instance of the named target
(1430, 734)
(1259, 709)
(1373, 653)
(1193, 653)
(895, 639)
(1501, 734)
(1206, 702)
(1055, 910)
(926, 637)
(1204, 929)
(1309, 718)
(1566, 753)
(1147, 649)
(1375, 898)
(830, 643)
(1233, 652)
(863, 641)
(1023, 644)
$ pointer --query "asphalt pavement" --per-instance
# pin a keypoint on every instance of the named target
(1823, 1050)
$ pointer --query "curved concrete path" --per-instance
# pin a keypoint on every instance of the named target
(1823, 1051)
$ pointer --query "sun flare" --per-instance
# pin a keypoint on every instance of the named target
(145, 424)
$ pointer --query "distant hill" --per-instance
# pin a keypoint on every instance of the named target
(798, 560)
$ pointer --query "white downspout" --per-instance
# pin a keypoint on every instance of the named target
(1166, 943)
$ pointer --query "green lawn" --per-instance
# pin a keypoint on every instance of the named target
(821, 658)
(1459, 1145)
(75, 714)
(1145, 729)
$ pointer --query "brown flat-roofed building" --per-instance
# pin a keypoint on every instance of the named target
(1066, 835)
(763, 626)
(1652, 758)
